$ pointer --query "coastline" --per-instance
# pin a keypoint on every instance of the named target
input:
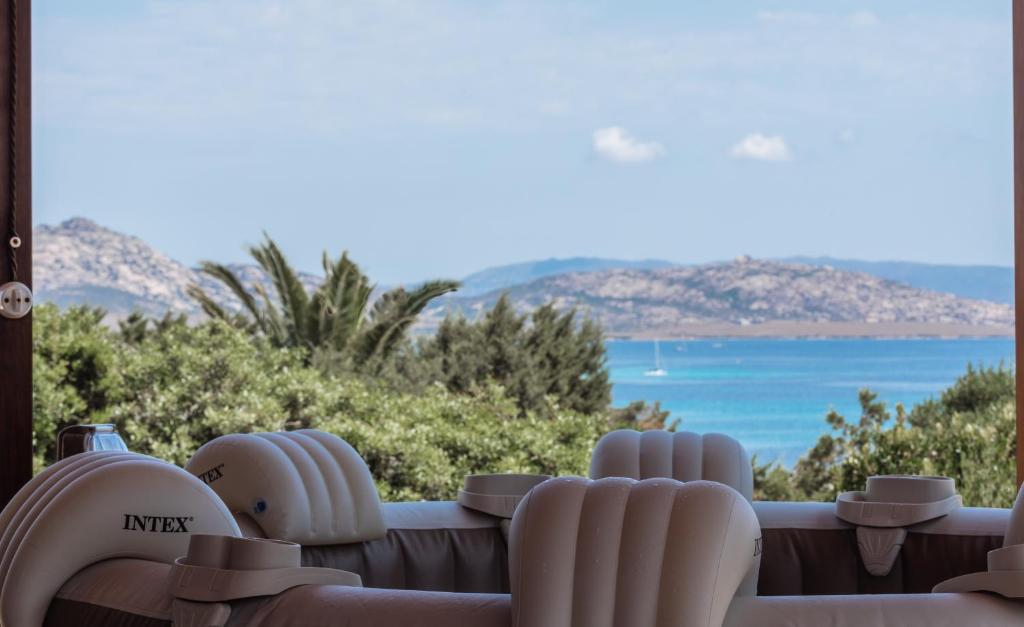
(818, 330)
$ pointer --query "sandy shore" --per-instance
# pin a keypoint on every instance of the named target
(819, 330)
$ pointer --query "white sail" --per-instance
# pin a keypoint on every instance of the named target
(657, 371)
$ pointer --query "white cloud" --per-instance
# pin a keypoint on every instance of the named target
(762, 148)
(616, 144)
(864, 19)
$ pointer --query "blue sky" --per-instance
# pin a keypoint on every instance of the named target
(438, 138)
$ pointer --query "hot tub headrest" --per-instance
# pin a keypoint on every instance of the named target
(888, 505)
(683, 456)
(306, 486)
(898, 501)
(91, 507)
(497, 494)
(1005, 575)
(621, 552)
(224, 568)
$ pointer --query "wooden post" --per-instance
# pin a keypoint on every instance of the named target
(15, 335)
(1018, 219)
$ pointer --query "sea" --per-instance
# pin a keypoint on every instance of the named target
(773, 394)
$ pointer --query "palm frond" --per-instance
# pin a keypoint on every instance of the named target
(345, 295)
(393, 314)
(272, 322)
(290, 290)
(209, 306)
(224, 274)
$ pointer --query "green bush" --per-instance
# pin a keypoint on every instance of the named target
(421, 447)
(544, 358)
(74, 373)
(968, 433)
(171, 388)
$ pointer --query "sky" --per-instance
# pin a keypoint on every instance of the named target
(436, 138)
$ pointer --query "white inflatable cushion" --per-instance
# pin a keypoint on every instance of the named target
(621, 553)
(306, 486)
(683, 456)
(92, 507)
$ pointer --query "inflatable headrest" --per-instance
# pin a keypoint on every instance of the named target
(1005, 575)
(683, 456)
(306, 486)
(888, 505)
(497, 494)
(224, 568)
(621, 553)
(92, 507)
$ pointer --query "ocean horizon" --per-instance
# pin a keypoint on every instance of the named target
(773, 394)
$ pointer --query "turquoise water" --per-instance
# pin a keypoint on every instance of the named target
(772, 395)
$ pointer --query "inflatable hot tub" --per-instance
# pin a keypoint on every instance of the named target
(287, 529)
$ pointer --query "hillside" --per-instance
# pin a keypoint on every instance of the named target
(80, 262)
(993, 283)
(754, 297)
(501, 277)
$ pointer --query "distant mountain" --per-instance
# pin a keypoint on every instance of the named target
(80, 262)
(500, 277)
(753, 297)
(992, 283)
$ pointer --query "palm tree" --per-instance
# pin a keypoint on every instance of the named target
(332, 323)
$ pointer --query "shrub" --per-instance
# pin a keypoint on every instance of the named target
(542, 358)
(968, 433)
(74, 373)
(171, 388)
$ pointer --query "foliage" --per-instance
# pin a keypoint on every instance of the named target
(542, 360)
(968, 433)
(431, 441)
(74, 373)
(176, 386)
(335, 324)
(170, 387)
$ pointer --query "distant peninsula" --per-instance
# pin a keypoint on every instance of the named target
(751, 298)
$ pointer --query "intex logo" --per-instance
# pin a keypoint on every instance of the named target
(157, 524)
(212, 474)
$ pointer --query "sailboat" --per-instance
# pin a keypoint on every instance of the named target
(657, 371)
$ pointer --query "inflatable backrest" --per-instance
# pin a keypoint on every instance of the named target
(306, 486)
(92, 507)
(621, 553)
(683, 456)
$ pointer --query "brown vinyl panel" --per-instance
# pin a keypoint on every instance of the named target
(65, 613)
(16, 335)
(439, 560)
(799, 562)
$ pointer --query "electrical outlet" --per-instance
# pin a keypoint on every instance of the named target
(15, 300)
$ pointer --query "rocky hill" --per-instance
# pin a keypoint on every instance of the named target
(502, 277)
(81, 262)
(753, 297)
(993, 283)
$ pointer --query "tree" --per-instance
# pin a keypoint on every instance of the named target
(182, 385)
(332, 325)
(968, 433)
(138, 326)
(544, 357)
